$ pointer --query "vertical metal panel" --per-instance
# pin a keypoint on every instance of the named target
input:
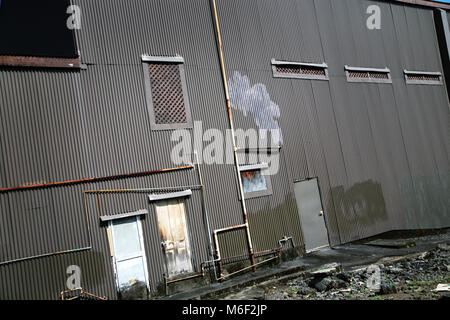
(379, 145)
(361, 163)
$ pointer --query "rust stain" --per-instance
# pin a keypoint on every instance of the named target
(39, 62)
(119, 176)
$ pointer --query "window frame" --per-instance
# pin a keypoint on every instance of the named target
(261, 193)
(178, 60)
(116, 259)
(277, 74)
(180, 197)
(408, 73)
(385, 70)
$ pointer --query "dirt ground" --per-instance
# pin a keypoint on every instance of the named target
(413, 277)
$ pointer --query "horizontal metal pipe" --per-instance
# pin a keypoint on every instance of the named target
(143, 189)
(260, 149)
(186, 278)
(63, 251)
(81, 293)
(95, 179)
(46, 255)
(246, 268)
(230, 228)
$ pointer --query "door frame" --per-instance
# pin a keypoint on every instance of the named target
(188, 235)
(113, 252)
(323, 210)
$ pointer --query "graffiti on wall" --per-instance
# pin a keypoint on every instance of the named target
(255, 101)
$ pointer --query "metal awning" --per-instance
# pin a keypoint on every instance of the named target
(123, 215)
(179, 194)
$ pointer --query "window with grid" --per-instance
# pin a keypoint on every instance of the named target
(359, 74)
(166, 93)
(422, 77)
(301, 70)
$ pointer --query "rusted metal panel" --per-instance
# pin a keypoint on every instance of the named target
(425, 3)
(40, 62)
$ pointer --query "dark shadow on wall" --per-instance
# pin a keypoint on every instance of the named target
(269, 223)
(427, 200)
(361, 205)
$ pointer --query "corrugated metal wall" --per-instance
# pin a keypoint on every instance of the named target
(380, 151)
(380, 145)
(104, 115)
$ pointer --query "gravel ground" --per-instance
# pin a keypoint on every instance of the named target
(412, 277)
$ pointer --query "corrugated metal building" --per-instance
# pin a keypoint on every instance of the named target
(364, 116)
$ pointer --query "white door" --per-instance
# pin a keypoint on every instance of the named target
(128, 252)
(174, 236)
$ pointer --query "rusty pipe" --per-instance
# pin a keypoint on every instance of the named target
(216, 242)
(246, 268)
(95, 179)
(230, 118)
(197, 275)
(89, 247)
(144, 189)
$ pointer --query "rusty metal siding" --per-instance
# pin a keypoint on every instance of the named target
(115, 134)
(32, 126)
(379, 150)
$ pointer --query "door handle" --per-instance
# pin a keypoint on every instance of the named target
(321, 213)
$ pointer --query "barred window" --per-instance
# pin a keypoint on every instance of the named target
(423, 77)
(359, 74)
(166, 92)
(301, 70)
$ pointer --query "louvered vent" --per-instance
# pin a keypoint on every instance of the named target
(355, 74)
(423, 77)
(167, 93)
(287, 69)
(293, 69)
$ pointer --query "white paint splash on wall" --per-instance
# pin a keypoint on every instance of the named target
(255, 100)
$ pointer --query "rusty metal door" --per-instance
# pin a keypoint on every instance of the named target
(310, 209)
(174, 236)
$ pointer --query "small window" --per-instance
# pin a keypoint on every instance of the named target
(423, 77)
(254, 181)
(166, 92)
(300, 70)
(359, 74)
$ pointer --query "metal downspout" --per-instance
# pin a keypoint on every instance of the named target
(230, 117)
(205, 211)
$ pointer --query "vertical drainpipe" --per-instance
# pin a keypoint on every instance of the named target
(230, 118)
(205, 211)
